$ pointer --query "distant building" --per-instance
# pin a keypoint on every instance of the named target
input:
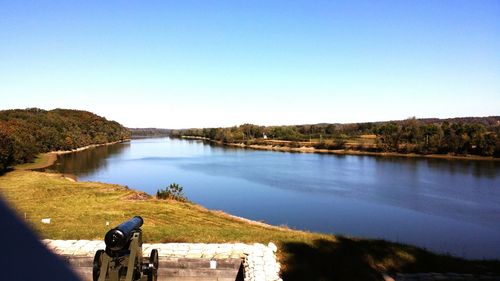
(264, 136)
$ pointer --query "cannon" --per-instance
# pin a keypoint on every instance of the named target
(122, 259)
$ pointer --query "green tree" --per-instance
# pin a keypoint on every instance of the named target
(389, 136)
(6, 149)
(410, 133)
(173, 191)
(432, 136)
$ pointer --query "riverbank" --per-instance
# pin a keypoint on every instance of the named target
(44, 160)
(285, 146)
(80, 210)
(304, 149)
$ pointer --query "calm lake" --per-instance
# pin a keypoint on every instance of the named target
(446, 206)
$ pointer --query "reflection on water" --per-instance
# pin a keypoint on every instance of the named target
(453, 166)
(88, 161)
(445, 205)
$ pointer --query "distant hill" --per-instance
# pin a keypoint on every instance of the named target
(26, 132)
(489, 121)
(149, 132)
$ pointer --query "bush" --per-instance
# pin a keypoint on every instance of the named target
(173, 191)
(331, 145)
(360, 147)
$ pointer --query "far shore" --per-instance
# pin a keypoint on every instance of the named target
(305, 149)
(47, 159)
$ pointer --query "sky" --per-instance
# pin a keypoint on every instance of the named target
(184, 64)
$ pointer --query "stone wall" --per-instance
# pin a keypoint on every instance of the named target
(259, 261)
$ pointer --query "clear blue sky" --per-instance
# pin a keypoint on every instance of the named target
(177, 64)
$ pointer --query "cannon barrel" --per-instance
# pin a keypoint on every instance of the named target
(118, 237)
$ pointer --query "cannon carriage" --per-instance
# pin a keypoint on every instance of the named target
(122, 259)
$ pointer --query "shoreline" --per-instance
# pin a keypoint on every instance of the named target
(305, 149)
(361, 153)
(47, 159)
(61, 152)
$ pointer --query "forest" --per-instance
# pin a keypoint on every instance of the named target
(148, 132)
(24, 133)
(459, 136)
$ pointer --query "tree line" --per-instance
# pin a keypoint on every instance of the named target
(468, 135)
(24, 133)
(148, 132)
(439, 138)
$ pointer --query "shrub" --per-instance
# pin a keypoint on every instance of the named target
(173, 191)
(331, 145)
(359, 147)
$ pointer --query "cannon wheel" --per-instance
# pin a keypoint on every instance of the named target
(153, 266)
(96, 266)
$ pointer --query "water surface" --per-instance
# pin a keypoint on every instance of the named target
(446, 206)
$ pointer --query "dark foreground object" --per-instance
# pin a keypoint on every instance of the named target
(123, 255)
(23, 257)
(350, 260)
(434, 276)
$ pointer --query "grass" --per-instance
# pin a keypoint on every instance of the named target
(43, 160)
(80, 210)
